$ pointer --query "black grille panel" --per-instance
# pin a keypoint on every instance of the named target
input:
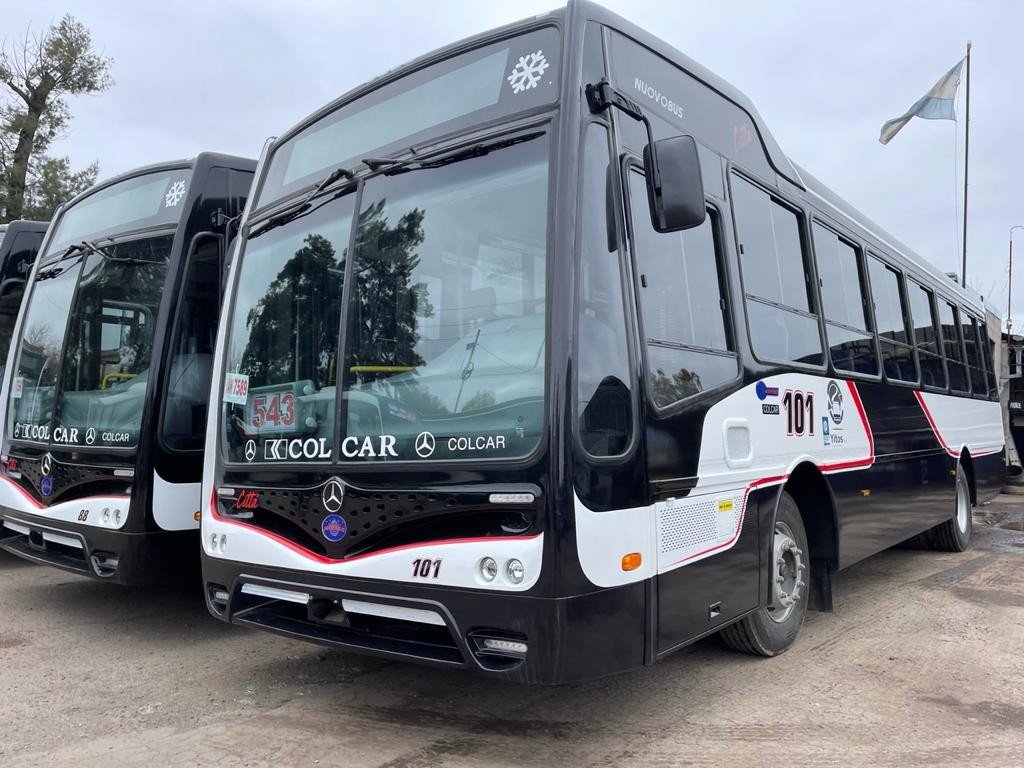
(374, 518)
(69, 480)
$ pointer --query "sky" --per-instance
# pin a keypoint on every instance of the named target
(193, 76)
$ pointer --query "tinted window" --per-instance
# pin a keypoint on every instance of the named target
(782, 326)
(683, 304)
(897, 356)
(975, 365)
(952, 347)
(188, 386)
(933, 373)
(603, 396)
(843, 303)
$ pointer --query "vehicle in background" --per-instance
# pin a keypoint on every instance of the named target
(19, 244)
(540, 358)
(106, 391)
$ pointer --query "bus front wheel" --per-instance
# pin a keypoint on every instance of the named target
(772, 628)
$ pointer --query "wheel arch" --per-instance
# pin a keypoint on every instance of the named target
(967, 463)
(812, 492)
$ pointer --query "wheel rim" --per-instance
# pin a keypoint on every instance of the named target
(963, 503)
(788, 569)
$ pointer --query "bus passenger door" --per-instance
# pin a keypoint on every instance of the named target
(706, 574)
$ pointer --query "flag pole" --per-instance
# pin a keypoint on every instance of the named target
(967, 149)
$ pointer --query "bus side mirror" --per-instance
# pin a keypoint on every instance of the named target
(675, 189)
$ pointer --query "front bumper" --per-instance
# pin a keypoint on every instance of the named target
(111, 555)
(566, 639)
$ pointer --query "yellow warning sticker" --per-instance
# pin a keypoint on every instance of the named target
(725, 505)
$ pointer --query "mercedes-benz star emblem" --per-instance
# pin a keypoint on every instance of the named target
(333, 495)
(250, 450)
(47, 464)
(90, 435)
(424, 444)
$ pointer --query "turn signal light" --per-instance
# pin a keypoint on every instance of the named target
(631, 561)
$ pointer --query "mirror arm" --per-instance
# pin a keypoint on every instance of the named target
(603, 95)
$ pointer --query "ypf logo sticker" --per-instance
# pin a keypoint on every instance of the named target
(425, 445)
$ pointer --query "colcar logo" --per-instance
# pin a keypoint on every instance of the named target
(334, 528)
(333, 496)
(834, 397)
(47, 464)
(425, 445)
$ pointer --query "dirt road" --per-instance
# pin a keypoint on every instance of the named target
(922, 664)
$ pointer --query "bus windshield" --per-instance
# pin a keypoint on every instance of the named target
(85, 348)
(444, 318)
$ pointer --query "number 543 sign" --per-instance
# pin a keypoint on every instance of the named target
(273, 411)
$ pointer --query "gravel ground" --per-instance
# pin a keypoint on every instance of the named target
(921, 664)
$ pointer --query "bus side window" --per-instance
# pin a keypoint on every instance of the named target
(895, 343)
(952, 347)
(604, 401)
(926, 336)
(682, 304)
(780, 316)
(975, 366)
(188, 383)
(843, 302)
(986, 350)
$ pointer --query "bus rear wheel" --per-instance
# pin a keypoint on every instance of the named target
(954, 535)
(772, 628)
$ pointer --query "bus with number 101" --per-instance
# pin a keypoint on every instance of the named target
(541, 359)
(105, 393)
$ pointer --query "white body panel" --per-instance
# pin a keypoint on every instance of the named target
(960, 422)
(88, 511)
(175, 504)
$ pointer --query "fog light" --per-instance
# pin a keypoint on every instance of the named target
(221, 596)
(515, 572)
(488, 569)
(504, 646)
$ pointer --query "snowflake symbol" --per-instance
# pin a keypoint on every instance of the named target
(526, 73)
(174, 194)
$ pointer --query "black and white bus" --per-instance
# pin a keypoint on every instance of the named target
(19, 245)
(108, 377)
(501, 388)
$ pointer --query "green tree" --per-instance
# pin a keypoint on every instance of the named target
(37, 74)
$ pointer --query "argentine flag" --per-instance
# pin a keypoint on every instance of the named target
(937, 104)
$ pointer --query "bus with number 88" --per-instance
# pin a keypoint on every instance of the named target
(106, 392)
(541, 359)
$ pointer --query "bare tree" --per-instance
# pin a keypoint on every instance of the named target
(37, 73)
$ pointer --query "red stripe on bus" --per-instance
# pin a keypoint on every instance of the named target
(41, 507)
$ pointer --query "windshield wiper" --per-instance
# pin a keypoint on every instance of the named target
(391, 167)
(303, 204)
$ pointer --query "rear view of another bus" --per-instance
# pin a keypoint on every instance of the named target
(19, 245)
(106, 391)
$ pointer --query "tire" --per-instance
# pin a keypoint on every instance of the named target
(772, 628)
(954, 535)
